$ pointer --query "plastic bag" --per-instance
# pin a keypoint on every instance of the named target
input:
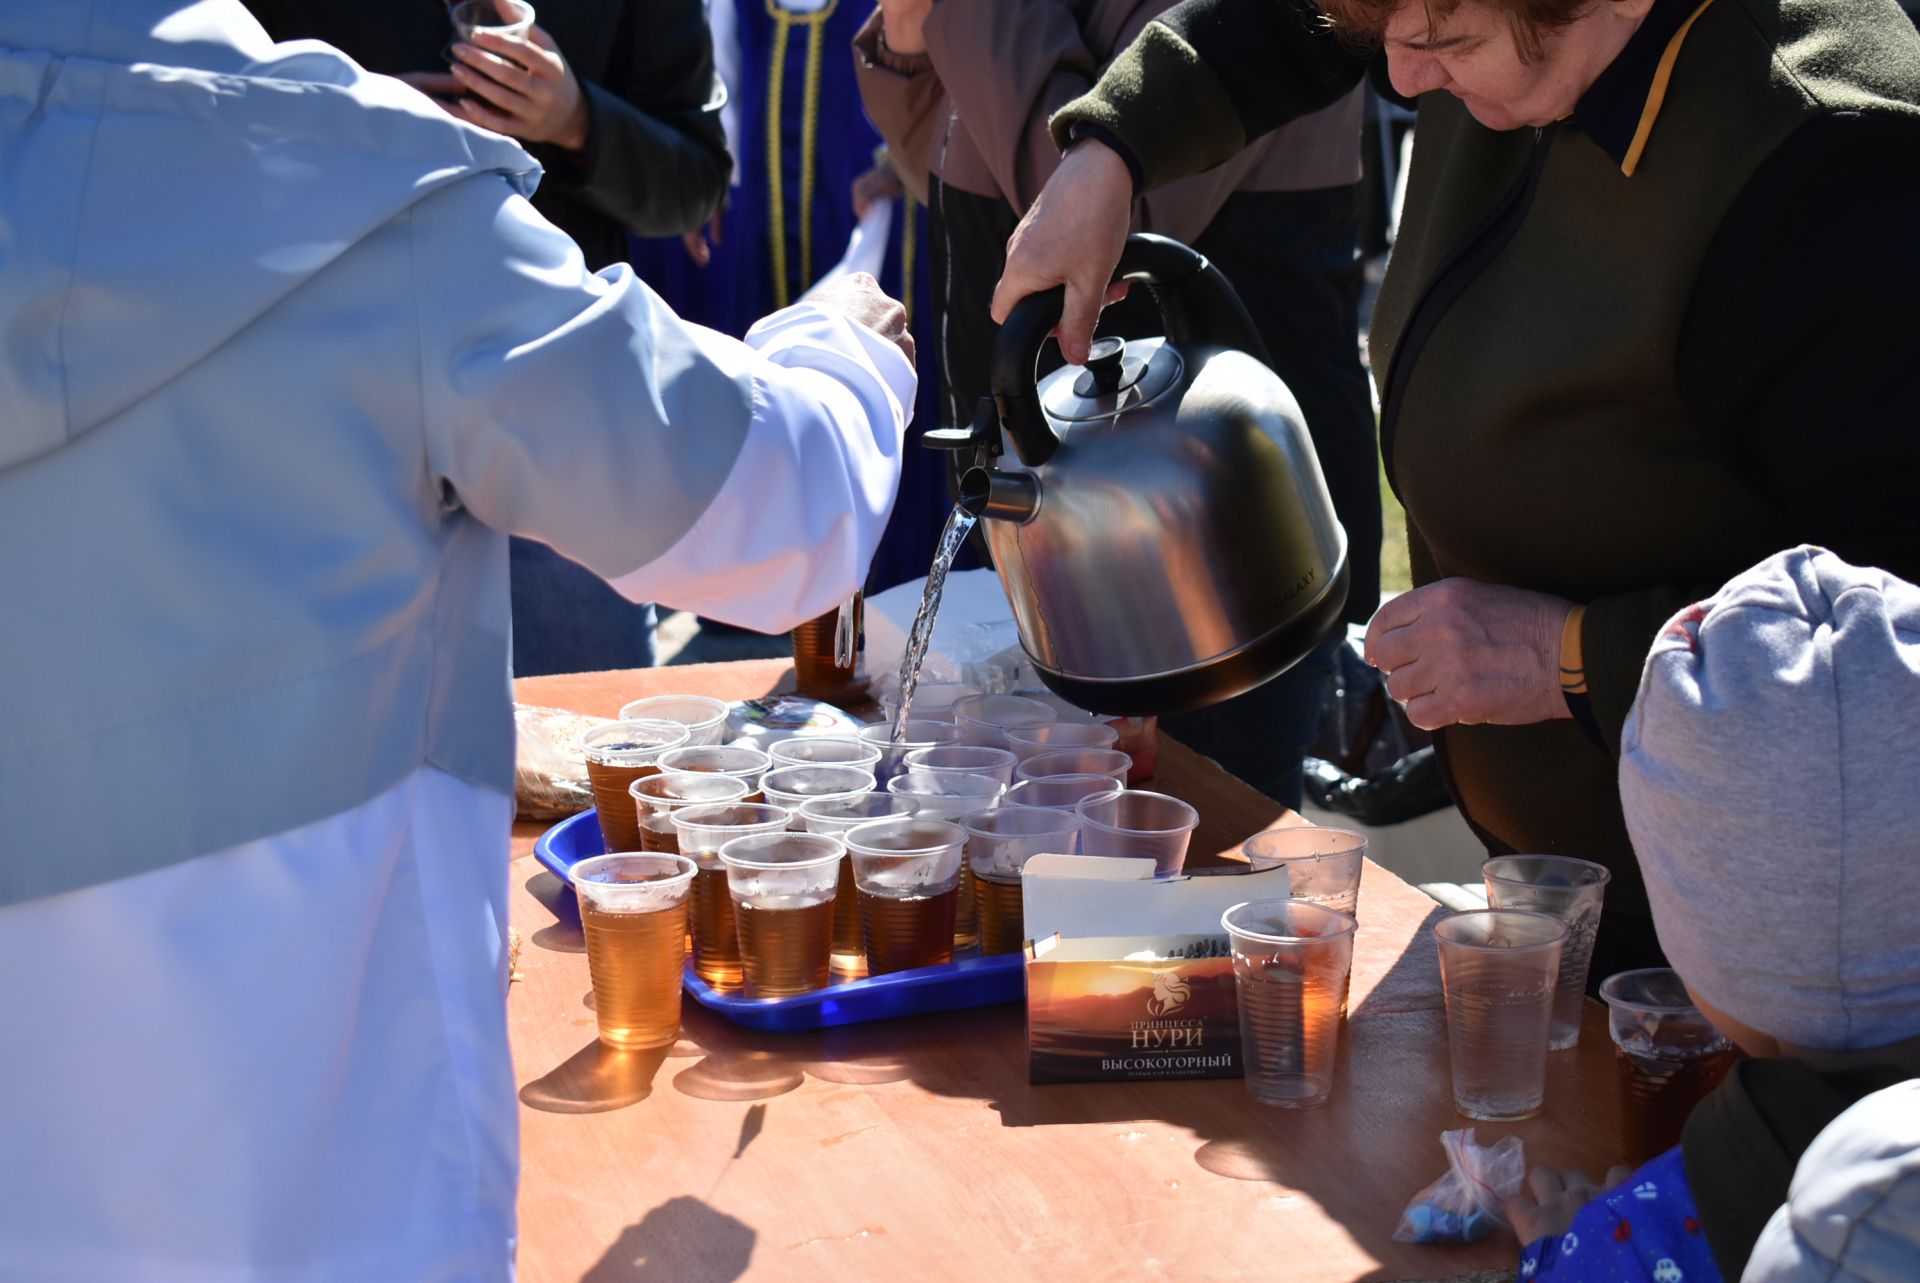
(1369, 762)
(549, 775)
(1465, 1204)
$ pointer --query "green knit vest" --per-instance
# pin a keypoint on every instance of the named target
(1540, 438)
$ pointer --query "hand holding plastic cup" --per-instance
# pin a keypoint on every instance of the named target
(783, 886)
(1323, 865)
(704, 718)
(1498, 968)
(986, 719)
(824, 750)
(999, 844)
(1564, 888)
(657, 797)
(908, 874)
(703, 830)
(633, 909)
(962, 759)
(1291, 963)
(1138, 824)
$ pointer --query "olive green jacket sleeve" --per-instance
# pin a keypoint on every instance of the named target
(1207, 78)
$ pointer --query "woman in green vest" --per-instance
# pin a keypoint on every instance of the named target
(1649, 319)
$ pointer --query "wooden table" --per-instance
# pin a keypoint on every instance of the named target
(916, 1150)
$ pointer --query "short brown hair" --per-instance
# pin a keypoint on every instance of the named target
(1363, 21)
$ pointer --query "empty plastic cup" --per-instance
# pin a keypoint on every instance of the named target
(1142, 825)
(932, 701)
(963, 759)
(1323, 865)
(1498, 968)
(917, 733)
(824, 750)
(657, 797)
(1291, 961)
(1110, 762)
(986, 719)
(1062, 792)
(743, 763)
(1029, 741)
(705, 718)
(1564, 888)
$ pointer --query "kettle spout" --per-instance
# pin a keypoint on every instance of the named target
(1003, 496)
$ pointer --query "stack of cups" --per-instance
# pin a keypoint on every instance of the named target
(1498, 969)
(703, 831)
(782, 887)
(917, 733)
(1110, 762)
(705, 718)
(657, 797)
(949, 797)
(907, 872)
(1291, 962)
(986, 719)
(999, 844)
(1140, 825)
(617, 754)
(633, 909)
(1564, 888)
(794, 786)
(833, 816)
(743, 763)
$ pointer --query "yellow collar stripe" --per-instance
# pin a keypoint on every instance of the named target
(1657, 95)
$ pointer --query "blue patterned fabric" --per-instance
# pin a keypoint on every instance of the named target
(1645, 1228)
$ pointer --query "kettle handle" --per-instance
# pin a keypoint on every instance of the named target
(1196, 306)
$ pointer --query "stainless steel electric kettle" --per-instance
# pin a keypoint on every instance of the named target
(1163, 531)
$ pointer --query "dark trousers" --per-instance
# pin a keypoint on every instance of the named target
(567, 620)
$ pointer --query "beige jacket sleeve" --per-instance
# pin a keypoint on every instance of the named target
(906, 103)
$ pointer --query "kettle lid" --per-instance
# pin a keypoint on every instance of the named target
(1119, 376)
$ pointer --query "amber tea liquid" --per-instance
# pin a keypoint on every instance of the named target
(634, 960)
(716, 944)
(658, 834)
(785, 945)
(904, 932)
(1657, 1095)
(619, 823)
(966, 914)
(848, 945)
(1002, 921)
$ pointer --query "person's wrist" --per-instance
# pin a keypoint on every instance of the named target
(573, 134)
(903, 35)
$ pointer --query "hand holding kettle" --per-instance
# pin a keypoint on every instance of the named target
(1072, 236)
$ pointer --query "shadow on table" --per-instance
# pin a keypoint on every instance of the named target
(562, 935)
(726, 1247)
(595, 1079)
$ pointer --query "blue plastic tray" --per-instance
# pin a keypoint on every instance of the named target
(968, 982)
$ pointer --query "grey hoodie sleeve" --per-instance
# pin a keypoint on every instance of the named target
(579, 410)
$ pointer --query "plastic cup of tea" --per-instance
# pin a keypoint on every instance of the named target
(963, 759)
(1667, 1056)
(783, 887)
(833, 816)
(1059, 792)
(999, 844)
(1140, 825)
(824, 750)
(469, 16)
(908, 875)
(794, 786)
(704, 718)
(1564, 888)
(1291, 962)
(657, 797)
(932, 701)
(1110, 762)
(633, 909)
(703, 830)
(617, 754)
(948, 796)
(986, 719)
(917, 733)
(1323, 865)
(741, 762)
(1031, 741)
(1498, 968)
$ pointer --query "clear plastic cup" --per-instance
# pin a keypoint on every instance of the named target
(833, 816)
(1666, 1054)
(657, 797)
(1110, 762)
(1031, 741)
(986, 719)
(1498, 968)
(908, 875)
(918, 733)
(744, 763)
(703, 831)
(824, 750)
(783, 886)
(932, 701)
(1323, 865)
(1564, 888)
(1291, 962)
(1060, 792)
(963, 759)
(949, 797)
(704, 718)
(633, 909)
(999, 844)
(617, 754)
(469, 16)
(1139, 824)
(793, 786)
